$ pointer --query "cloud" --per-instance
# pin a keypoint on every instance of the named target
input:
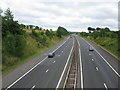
(75, 16)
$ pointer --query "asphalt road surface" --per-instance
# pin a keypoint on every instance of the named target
(98, 70)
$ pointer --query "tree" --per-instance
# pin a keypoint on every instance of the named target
(89, 29)
(36, 27)
(84, 34)
(31, 26)
(14, 45)
(9, 25)
(61, 31)
(98, 29)
(8, 15)
(42, 33)
(13, 35)
(107, 29)
(34, 33)
(40, 28)
(95, 34)
(0, 11)
(48, 33)
(22, 26)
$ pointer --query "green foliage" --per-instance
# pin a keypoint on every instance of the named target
(34, 33)
(90, 29)
(42, 33)
(31, 26)
(61, 31)
(13, 38)
(40, 28)
(9, 25)
(101, 32)
(111, 44)
(84, 34)
(95, 34)
(36, 27)
(40, 37)
(18, 45)
(49, 34)
(105, 38)
(14, 45)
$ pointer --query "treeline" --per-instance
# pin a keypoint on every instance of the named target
(41, 37)
(33, 27)
(100, 32)
(15, 38)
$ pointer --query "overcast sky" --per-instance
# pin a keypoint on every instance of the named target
(74, 16)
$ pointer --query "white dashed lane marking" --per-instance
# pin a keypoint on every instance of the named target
(33, 87)
(47, 70)
(105, 85)
(92, 59)
(54, 62)
(97, 68)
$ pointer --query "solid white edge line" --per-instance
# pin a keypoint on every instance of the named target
(103, 59)
(24, 74)
(80, 66)
(32, 68)
(65, 67)
(105, 85)
(33, 87)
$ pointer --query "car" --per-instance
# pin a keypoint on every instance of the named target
(91, 48)
(51, 55)
(70, 36)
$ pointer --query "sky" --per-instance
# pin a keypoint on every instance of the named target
(74, 16)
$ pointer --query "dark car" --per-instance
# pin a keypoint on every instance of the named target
(91, 49)
(70, 36)
(51, 55)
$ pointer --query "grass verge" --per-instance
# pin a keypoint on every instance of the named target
(109, 44)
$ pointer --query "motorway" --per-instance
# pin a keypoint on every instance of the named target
(97, 70)
(48, 72)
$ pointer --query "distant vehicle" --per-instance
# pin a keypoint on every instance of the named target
(70, 36)
(91, 48)
(51, 55)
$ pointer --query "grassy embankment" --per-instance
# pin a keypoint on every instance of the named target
(110, 44)
(30, 51)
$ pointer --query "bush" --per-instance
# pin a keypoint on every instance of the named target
(14, 45)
